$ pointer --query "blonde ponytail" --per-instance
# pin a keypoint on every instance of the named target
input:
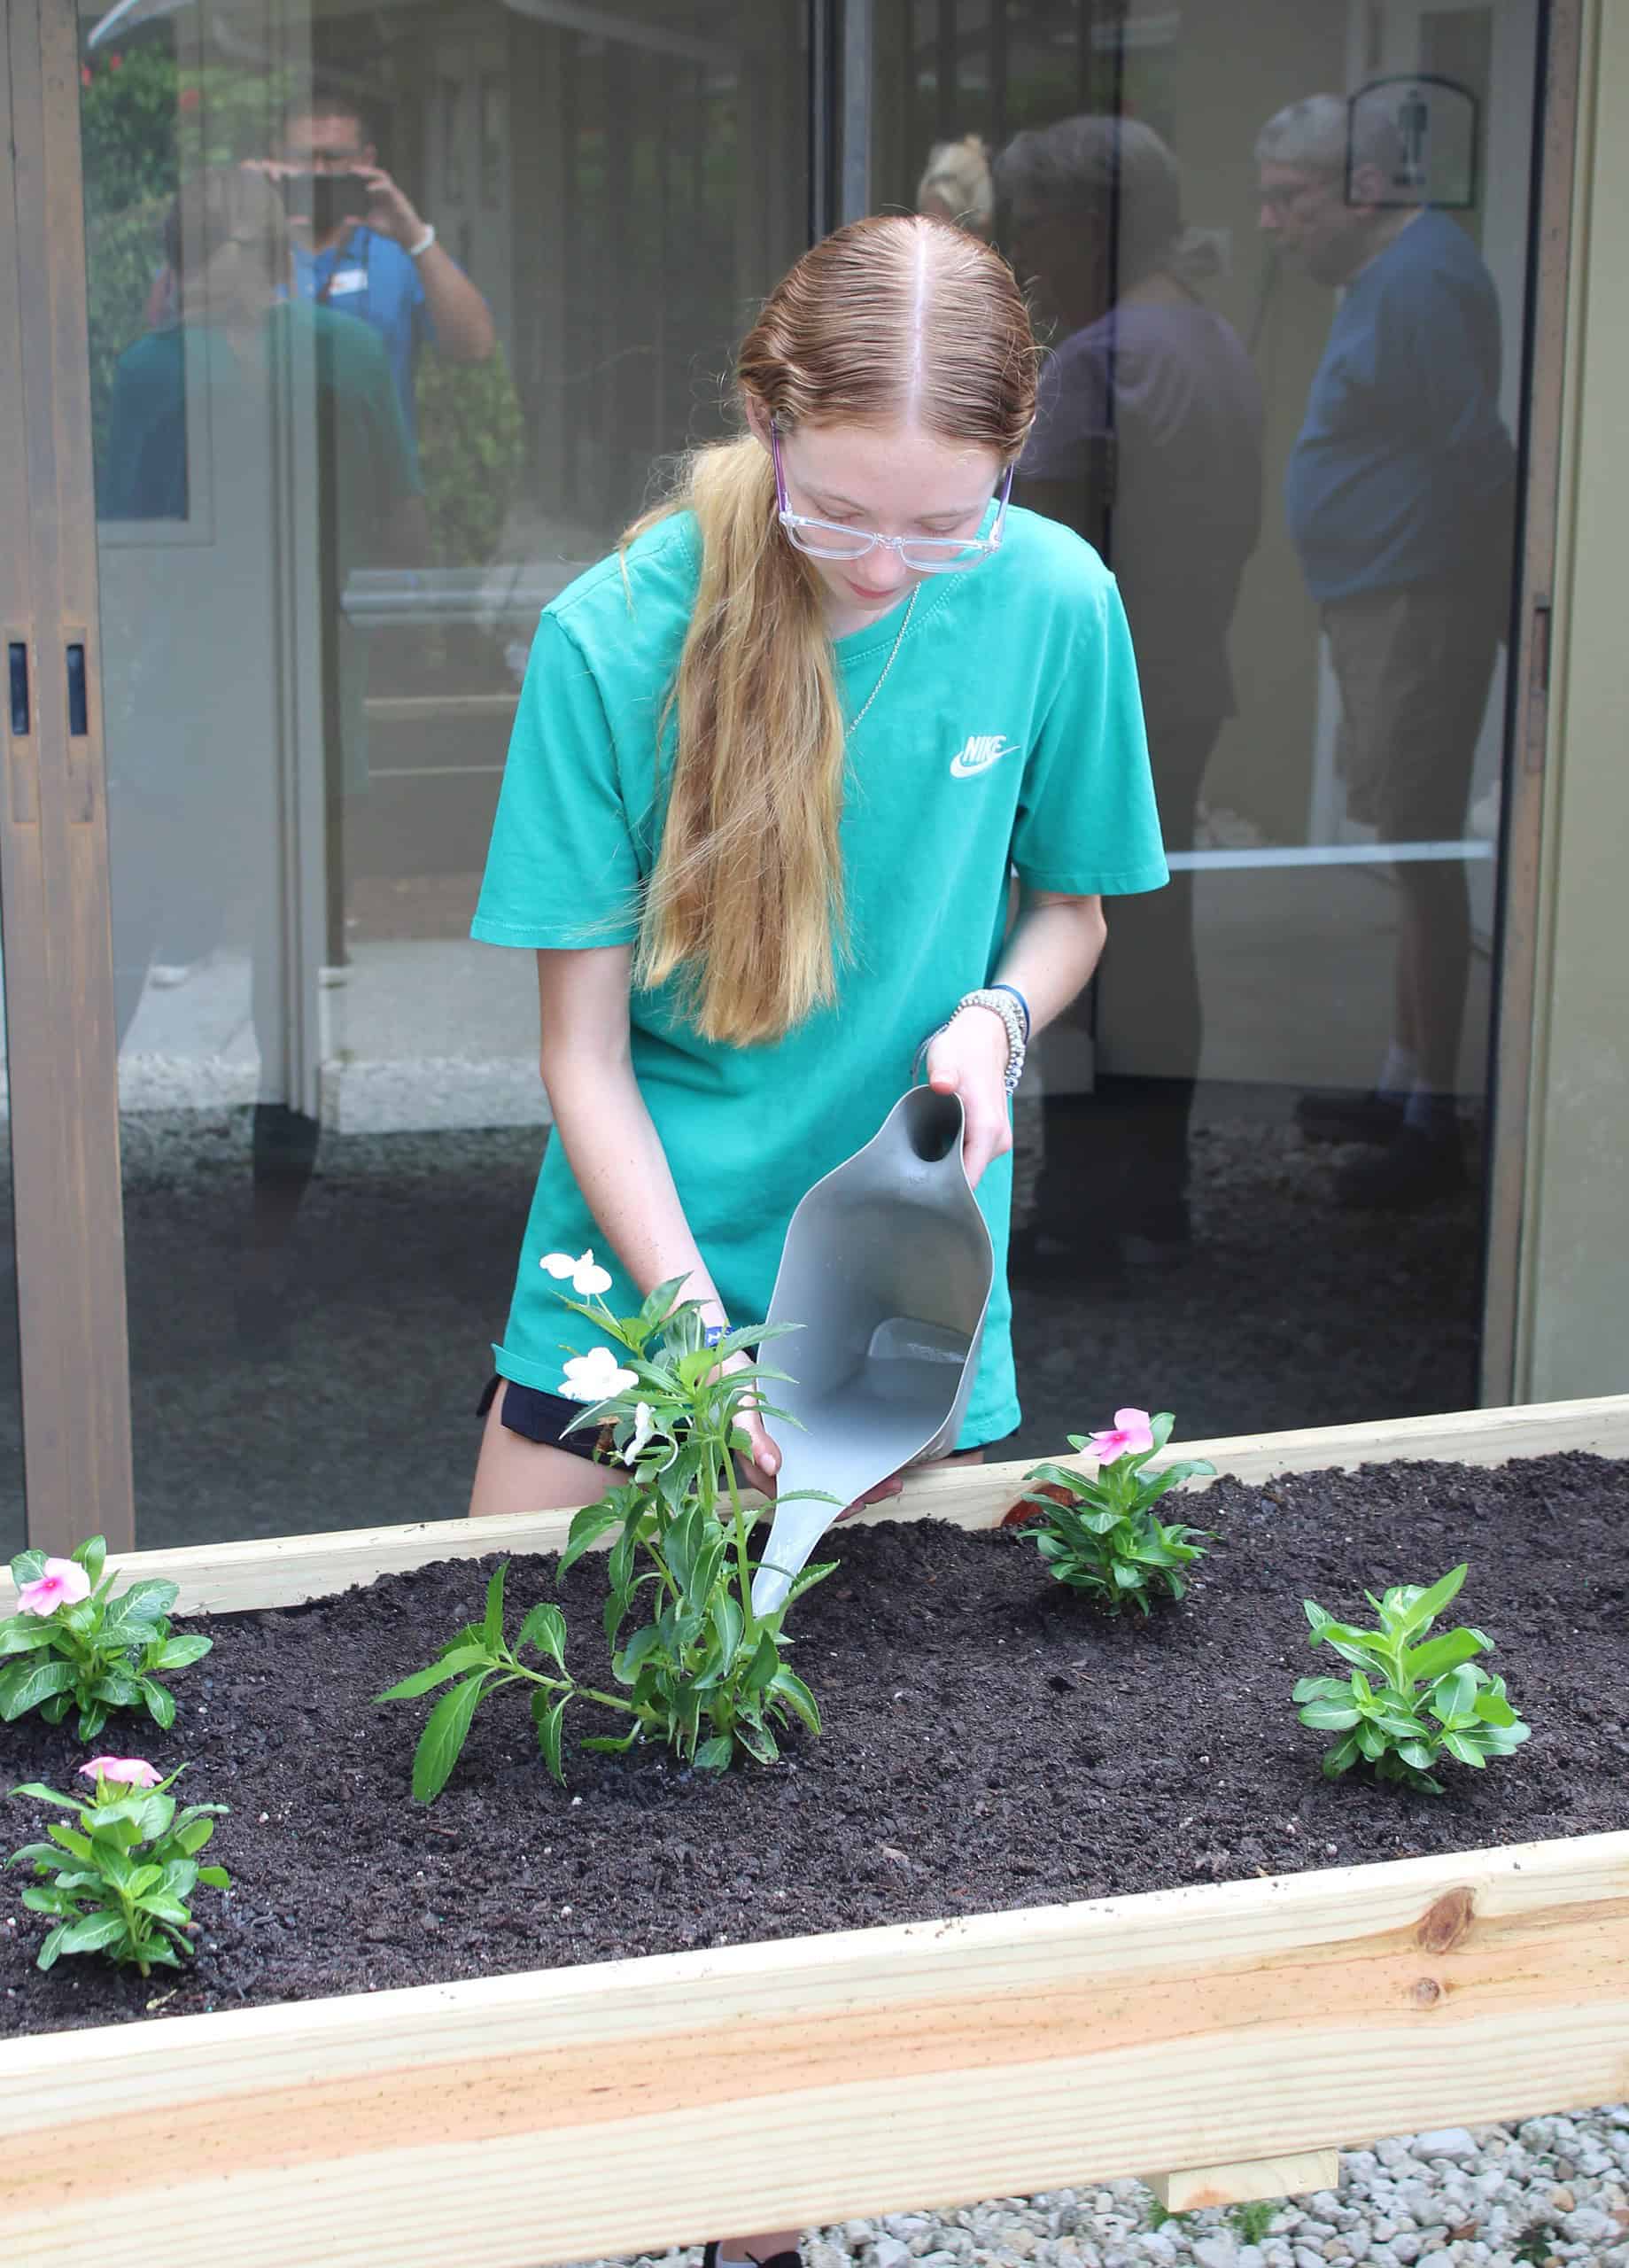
(747, 895)
(889, 320)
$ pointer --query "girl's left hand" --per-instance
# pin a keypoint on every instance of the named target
(970, 1059)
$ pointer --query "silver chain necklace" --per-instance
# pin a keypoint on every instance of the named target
(899, 639)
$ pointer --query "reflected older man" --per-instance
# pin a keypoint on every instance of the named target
(1400, 496)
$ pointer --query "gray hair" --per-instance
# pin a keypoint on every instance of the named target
(1094, 161)
(1324, 133)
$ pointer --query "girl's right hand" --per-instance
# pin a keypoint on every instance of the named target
(758, 1470)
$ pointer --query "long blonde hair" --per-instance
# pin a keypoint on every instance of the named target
(891, 321)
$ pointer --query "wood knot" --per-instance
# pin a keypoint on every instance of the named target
(1425, 1993)
(1446, 1920)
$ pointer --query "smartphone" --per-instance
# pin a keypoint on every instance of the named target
(325, 199)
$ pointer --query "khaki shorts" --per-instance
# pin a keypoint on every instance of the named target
(1413, 665)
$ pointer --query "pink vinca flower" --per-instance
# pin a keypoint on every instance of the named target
(596, 1375)
(1130, 1436)
(128, 1771)
(64, 1583)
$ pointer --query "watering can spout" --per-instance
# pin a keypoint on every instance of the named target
(887, 1269)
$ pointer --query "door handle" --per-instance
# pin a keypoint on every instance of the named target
(21, 749)
(81, 745)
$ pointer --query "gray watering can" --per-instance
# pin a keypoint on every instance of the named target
(886, 1268)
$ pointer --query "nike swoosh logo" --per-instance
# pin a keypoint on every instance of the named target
(980, 752)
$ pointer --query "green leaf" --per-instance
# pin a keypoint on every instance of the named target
(29, 1681)
(728, 1623)
(1427, 1605)
(25, 1634)
(195, 1834)
(611, 1744)
(1441, 1654)
(1492, 1708)
(714, 1755)
(765, 1661)
(131, 1615)
(164, 1907)
(1371, 1740)
(787, 1686)
(1328, 1716)
(42, 1794)
(545, 1627)
(1341, 1758)
(1467, 1750)
(160, 1705)
(1452, 1695)
(119, 1693)
(179, 1653)
(93, 1933)
(759, 1741)
(217, 1877)
(91, 1555)
(454, 1664)
(72, 1840)
(442, 1741)
(550, 1733)
(491, 1627)
(52, 1945)
(807, 1580)
(27, 1567)
(587, 1526)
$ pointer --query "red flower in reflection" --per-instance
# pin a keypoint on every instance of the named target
(84, 74)
(189, 99)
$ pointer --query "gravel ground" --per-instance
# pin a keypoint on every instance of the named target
(1537, 2195)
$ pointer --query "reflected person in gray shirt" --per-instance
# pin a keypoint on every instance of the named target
(1400, 498)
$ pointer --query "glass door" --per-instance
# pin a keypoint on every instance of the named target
(391, 314)
(1279, 257)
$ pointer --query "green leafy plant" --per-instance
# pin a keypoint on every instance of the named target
(1409, 1700)
(116, 1882)
(1101, 1534)
(482, 1660)
(72, 1644)
(1252, 2219)
(704, 1674)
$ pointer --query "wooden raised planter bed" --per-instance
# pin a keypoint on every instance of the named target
(1223, 2041)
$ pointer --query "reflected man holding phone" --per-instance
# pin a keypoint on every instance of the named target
(362, 247)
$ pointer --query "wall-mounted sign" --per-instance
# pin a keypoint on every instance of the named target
(1418, 133)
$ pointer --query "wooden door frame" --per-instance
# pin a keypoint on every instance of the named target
(1512, 1060)
(54, 901)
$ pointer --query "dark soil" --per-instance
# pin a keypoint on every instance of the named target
(989, 1743)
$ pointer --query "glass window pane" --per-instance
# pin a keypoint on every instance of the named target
(1278, 257)
(340, 469)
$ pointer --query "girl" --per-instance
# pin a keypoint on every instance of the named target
(774, 765)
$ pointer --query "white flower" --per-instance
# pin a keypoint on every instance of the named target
(644, 1425)
(586, 1275)
(596, 1375)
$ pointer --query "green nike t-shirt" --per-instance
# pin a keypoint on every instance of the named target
(1009, 734)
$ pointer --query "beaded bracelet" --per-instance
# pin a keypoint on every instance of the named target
(991, 997)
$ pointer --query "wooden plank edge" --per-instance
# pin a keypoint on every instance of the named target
(1247, 2182)
(1001, 2055)
(644, 1997)
(288, 1570)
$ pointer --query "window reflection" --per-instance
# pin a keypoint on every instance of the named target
(1282, 399)
(392, 313)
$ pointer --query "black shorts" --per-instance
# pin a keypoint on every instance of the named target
(539, 1416)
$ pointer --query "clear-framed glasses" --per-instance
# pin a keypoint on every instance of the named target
(924, 555)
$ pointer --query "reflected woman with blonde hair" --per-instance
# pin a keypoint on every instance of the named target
(775, 761)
